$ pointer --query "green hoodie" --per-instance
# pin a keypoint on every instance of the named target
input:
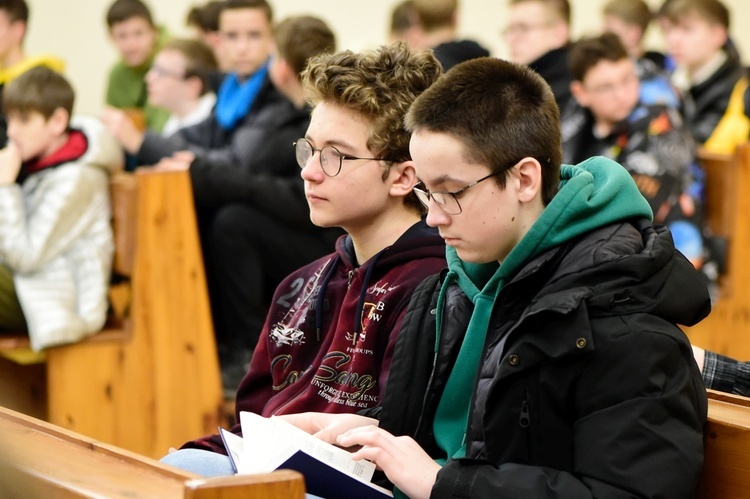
(592, 194)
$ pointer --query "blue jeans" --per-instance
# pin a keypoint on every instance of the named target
(205, 463)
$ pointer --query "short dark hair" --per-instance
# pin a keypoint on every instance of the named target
(436, 14)
(122, 10)
(712, 11)
(249, 4)
(301, 37)
(379, 85)
(501, 111)
(404, 16)
(17, 10)
(40, 89)
(200, 61)
(206, 16)
(590, 51)
(559, 7)
(634, 12)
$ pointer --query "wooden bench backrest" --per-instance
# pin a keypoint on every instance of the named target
(38, 459)
(726, 466)
(727, 329)
(124, 200)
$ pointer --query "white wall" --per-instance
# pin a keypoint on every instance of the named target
(76, 30)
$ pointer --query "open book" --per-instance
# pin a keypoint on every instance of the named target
(271, 443)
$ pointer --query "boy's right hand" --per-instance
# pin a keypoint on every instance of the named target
(327, 427)
(10, 163)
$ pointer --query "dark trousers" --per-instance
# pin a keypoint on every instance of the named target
(248, 253)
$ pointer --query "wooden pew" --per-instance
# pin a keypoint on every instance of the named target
(727, 329)
(726, 466)
(151, 379)
(38, 459)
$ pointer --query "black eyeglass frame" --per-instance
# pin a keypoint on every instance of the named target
(341, 155)
(425, 196)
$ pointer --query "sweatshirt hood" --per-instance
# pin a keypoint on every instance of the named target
(418, 242)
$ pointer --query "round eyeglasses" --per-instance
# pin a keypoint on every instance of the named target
(330, 157)
(448, 201)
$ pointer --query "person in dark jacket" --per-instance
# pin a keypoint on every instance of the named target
(708, 65)
(538, 35)
(329, 336)
(255, 223)
(546, 361)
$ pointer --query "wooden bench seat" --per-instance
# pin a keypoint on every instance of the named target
(150, 379)
(38, 459)
(726, 436)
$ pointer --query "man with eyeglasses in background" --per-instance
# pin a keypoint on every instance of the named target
(649, 140)
(178, 81)
(333, 324)
(537, 34)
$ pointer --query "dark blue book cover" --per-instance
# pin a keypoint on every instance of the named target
(324, 481)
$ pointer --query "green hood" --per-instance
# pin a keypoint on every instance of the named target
(592, 194)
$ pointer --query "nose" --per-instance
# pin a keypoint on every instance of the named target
(312, 170)
(436, 217)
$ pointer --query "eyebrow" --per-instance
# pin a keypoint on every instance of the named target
(338, 144)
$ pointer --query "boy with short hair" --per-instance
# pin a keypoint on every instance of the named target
(137, 39)
(338, 318)
(696, 34)
(649, 140)
(14, 20)
(538, 34)
(204, 19)
(55, 233)
(439, 19)
(177, 82)
(546, 362)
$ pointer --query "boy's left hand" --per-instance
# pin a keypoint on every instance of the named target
(10, 163)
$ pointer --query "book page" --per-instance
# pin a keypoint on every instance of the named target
(268, 442)
(234, 444)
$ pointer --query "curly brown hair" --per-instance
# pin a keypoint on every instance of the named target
(380, 85)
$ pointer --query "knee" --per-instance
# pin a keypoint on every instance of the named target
(201, 462)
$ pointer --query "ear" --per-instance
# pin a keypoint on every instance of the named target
(579, 93)
(529, 178)
(18, 30)
(718, 36)
(402, 177)
(196, 85)
(560, 34)
(59, 121)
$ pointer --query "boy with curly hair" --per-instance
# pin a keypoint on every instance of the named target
(329, 336)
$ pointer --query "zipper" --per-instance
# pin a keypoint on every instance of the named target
(349, 278)
(524, 419)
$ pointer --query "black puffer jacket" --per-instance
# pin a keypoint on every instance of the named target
(595, 393)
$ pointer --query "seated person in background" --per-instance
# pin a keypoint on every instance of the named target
(547, 361)
(696, 34)
(137, 39)
(246, 106)
(255, 222)
(723, 373)
(204, 20)
(178, 82)
(629, 20)
(55, 234)
(405, 26)
(438, 19)
(14, 20)
(648, 140)
(538, 35)
(337, 319)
